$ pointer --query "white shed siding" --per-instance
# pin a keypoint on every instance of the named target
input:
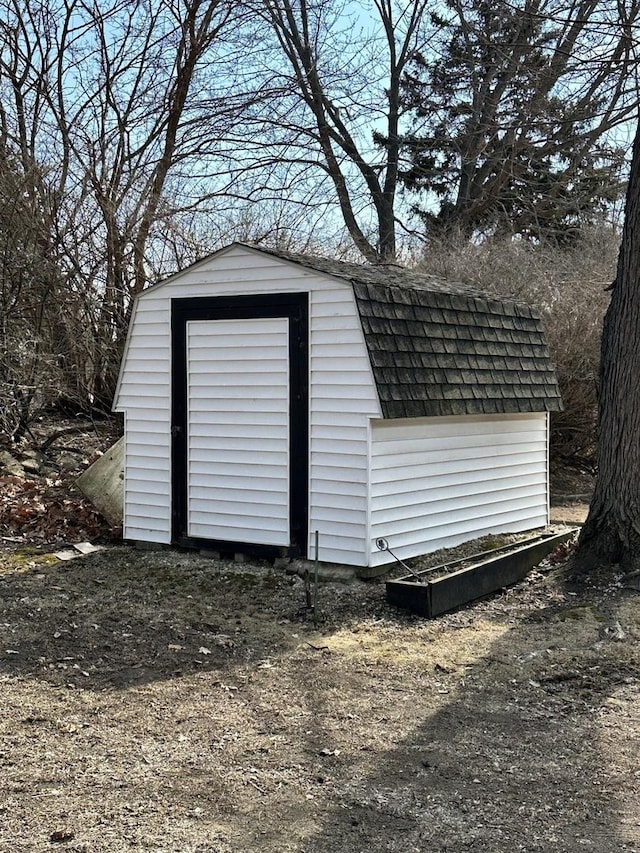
(342, 398)
(238, 474)
(436, 482)
(144, 394)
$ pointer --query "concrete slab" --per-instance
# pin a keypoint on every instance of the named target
(102, 483)
(78, 549)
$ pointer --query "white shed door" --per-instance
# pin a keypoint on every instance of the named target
(238, 430)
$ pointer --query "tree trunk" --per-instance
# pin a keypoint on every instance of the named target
(612, 531)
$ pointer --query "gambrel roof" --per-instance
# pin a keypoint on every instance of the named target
(444, 348)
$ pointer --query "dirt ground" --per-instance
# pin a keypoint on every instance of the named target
(162, 701)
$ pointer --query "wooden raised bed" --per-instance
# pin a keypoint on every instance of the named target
(478, 576)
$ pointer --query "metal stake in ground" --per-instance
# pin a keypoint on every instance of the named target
(315, 579)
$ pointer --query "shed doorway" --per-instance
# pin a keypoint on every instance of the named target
(240, 423)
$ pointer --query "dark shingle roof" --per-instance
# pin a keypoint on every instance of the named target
(443, 348)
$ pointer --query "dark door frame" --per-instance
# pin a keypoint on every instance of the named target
(294, 307)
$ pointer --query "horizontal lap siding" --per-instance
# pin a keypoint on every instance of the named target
(225, 472)
(145, 396)
(342, 398)
(437, 482)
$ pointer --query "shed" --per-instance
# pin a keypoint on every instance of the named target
(270, 395)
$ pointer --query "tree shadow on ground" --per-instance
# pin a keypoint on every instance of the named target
(535, 748)
(501, 728)
(124, 617)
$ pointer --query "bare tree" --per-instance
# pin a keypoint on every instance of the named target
(32, 294)
(513, 117)
(611, 533)
(119, 104)
(340, 108)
